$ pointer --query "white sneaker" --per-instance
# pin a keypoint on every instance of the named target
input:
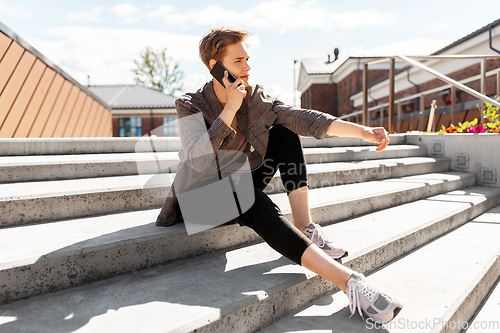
(378, 305)
(314, 232)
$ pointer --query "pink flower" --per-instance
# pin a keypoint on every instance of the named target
(477, 129)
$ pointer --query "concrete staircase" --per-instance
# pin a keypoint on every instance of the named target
(79, 250)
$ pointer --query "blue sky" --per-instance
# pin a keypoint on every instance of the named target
(102, 38)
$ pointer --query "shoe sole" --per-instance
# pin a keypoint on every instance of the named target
(343, 256)
(396, 312)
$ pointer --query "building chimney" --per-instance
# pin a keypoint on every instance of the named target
(328, 59)
(336, 53)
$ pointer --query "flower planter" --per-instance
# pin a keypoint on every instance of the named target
(477, 153)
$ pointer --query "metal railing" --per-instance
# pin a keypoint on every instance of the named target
(451, 83)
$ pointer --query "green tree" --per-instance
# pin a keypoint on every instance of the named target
(157, 70)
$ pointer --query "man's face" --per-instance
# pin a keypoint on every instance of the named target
(236, 61)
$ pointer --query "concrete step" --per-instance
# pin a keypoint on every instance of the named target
(248, 288)
(66, 146)
(309, 142)
(340, 173)
(46, 257)
(441, 284)
(70, 146)
(486, 319)
(33, 202)
(60, 167)
(345, 154)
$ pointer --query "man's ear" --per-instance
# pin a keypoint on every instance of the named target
(212, 63)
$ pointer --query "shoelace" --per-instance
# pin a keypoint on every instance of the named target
(353, 293)
(319, 234)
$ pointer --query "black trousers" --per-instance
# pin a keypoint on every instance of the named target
(284, 152)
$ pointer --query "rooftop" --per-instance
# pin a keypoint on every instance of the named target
(469, 36)
(133, 97)
(320, 66)
(412, 47)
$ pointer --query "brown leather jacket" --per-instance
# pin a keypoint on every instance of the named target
(202, 132)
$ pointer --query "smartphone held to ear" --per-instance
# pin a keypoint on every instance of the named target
(218, 73)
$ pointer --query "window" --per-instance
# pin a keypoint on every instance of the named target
(170, 126)
(130, 126)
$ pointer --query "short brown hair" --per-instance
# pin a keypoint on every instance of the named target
(213, 44)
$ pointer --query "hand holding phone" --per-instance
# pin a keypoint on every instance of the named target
(218, 73)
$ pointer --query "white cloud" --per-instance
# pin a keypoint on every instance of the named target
(194, 81)
(85, 16)
(254, 42)
(107, 54)
(278, 15)
(18, 12)
(127, 12)
(162, 12)
(437, 26)
(286, 96)
(355, 19)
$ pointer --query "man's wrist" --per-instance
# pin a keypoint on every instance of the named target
(346, 129)
(227, 114)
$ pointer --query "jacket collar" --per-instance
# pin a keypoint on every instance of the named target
(208, 94)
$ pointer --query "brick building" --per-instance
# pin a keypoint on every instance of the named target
(138, 110)
(335, 87)
(412, 80)
(328, 85)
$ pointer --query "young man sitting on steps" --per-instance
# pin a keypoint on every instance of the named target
(240, 117)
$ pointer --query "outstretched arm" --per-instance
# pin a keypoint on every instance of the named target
(371, 134)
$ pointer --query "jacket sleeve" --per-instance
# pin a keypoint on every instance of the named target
(199, 144)
(304, 122)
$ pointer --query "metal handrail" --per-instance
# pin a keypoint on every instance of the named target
(427, 92)
(455, 84)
